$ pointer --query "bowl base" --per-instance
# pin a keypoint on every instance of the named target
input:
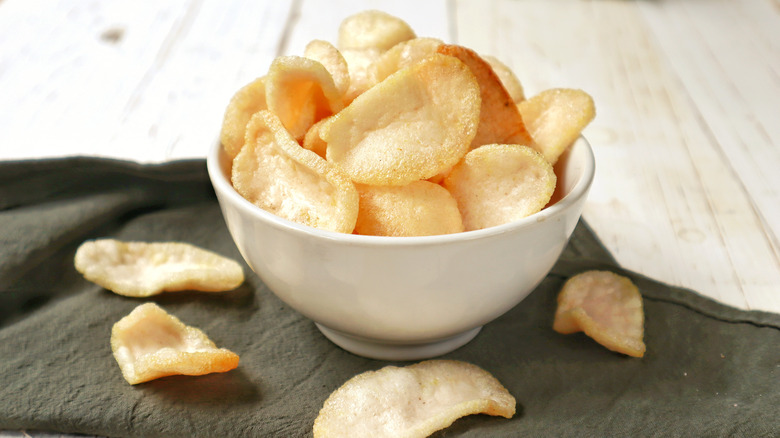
(373, 349)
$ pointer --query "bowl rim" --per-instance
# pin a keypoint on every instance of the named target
(222, 185)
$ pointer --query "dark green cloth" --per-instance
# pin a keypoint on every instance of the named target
(709, 370)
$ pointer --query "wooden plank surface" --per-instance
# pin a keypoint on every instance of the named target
(687, 95)
(685, 137)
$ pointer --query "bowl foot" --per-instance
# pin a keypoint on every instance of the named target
(397, 351)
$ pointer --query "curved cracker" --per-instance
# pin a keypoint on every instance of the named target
(248, 100)
(497, 184)
(372, 30)
(420, 208)
(149, 343)
(556, 117)
(275, 173)
(411, 126)
(329, 56)
(508, 78)
(301, 91)
(402, 55)
(411, 401)
(607, 307)
(142, 269)
(499, 118)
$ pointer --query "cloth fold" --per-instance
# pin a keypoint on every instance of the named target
(710, 370)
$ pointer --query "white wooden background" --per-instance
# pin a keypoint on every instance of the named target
(687, 95)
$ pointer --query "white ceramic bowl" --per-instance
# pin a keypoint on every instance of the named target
(404, 298)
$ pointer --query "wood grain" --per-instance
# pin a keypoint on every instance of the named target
(687, 94)
(685, 188)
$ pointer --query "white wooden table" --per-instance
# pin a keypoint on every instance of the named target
(687, 94)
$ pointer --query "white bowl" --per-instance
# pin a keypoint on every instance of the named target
(404, 298)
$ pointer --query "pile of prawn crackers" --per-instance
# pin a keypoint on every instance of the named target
(390, 134)
(387, 134)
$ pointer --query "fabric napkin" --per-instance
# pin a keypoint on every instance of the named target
(709, 370)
